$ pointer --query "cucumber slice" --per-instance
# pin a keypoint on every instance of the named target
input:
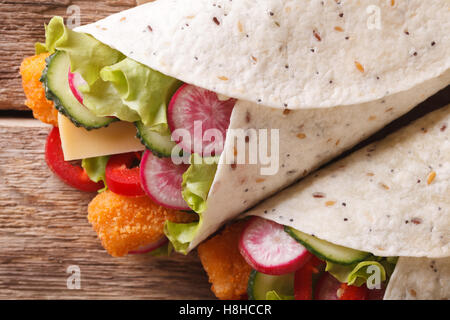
(55, 78)
(160, 145)
(259, 284)
(327, 250)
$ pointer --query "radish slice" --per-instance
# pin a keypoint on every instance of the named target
(327, 288)
(267, 248)
(75, 81)
(150, 247)
(205, 117)
(162, 179)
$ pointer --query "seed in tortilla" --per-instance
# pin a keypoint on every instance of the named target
(319, 195)
(431, 177)
(317, 35)
(240, 28)
(359, 66)
(384, 186)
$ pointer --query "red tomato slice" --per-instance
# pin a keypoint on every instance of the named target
(303, 279)
(73, 175)
(123, 176)
(352, 292)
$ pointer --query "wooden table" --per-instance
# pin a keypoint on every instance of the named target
(43, 225)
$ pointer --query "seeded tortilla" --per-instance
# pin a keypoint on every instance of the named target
(390, 198)
(277, 53)
(420, 279)
(288, 55)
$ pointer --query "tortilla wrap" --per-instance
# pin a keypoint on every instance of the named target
(288, 55)
(420, 279)
(284, 52)
(390, 198)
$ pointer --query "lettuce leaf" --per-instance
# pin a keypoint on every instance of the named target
(95, 169)
(197, 181)
(87, 55)
(273, 295)
(164, 251)
(143, 90)
(358, 274)
(115, 86)
(181, 234)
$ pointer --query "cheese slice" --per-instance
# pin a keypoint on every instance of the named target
(79, 143)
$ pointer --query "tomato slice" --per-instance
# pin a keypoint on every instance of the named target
(71, 174)
(303, 286)
(123, 176)
(347, 292)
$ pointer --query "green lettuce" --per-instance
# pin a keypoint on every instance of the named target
(163, 251)
(197, 181)
(115, 85)
(181, 234)
(87, 55)
(273, 295)
(143, 90)
(358, 274)
(95, 169)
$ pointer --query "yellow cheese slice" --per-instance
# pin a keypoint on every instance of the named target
(79, 143)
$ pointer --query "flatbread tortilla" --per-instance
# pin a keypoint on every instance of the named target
(277, 53)
(308, 139)
(293, 56)
(420, 279)
(390, 198)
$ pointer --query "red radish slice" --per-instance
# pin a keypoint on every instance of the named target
(327, 288)
(192, 105)
(75, 81)
(150, 247)
(162, 179)
(267, 248)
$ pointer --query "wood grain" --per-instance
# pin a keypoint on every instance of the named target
(22, 25)
(43, 230)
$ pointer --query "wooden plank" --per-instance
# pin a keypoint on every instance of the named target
(44, 230)
(22, 25)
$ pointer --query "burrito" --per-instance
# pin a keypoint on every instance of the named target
(337, 234)
(231, 101)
